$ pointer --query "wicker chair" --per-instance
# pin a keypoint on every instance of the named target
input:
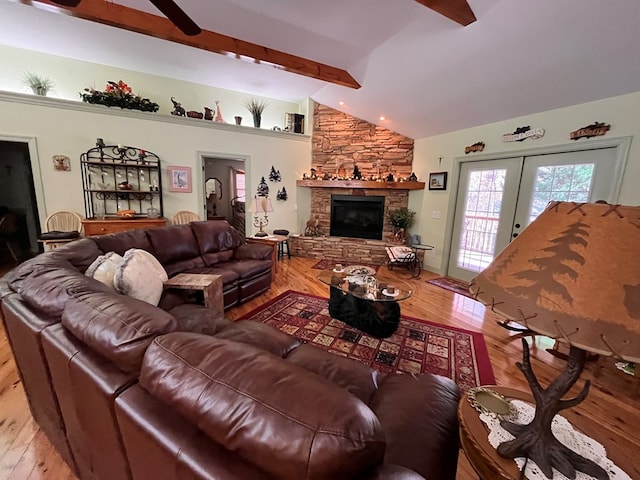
(62, 227)
(184, 216)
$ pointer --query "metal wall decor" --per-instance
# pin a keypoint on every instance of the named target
(274, 175)
(596, 129)
(476, 147)
(282, 194)
(263, 188)
(520, 134)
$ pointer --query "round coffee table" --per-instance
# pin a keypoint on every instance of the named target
(490, 466)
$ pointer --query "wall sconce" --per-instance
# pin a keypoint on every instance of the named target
(260, 205)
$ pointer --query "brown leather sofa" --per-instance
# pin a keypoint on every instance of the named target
(127, 390)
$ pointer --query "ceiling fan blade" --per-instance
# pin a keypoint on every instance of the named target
(67, 3)
(174, 13)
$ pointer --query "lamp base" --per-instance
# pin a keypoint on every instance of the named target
(535, 440)
(261, 233)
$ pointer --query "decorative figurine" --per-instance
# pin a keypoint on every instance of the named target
(263, 188)
(218, 118)
(312, 229)
(356, 173)
(177, 108)
(390, 177)
(413, 177)
(208, 113)
(313, 174)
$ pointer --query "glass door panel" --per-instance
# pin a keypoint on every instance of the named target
(486, 198)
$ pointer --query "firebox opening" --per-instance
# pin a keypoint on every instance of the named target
(355, 216)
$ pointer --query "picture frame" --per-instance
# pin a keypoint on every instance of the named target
(180, 179)
(438, 181)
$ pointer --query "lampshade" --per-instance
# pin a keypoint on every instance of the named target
(574, 275)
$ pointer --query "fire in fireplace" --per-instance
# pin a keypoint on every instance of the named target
(356, 216)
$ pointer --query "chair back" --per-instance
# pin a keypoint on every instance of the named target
(64, 222)
(184, 216)
(8, 224)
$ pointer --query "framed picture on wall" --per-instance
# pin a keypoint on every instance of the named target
(180, 179)
(438, 181)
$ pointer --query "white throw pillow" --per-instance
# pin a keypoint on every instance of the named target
(104, 268)
(140, 276)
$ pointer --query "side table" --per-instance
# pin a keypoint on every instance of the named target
(211, 286)
(490, 466)
(273, 241)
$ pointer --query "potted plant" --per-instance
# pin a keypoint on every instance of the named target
(256, 107)
(400, 219)
(40, 85)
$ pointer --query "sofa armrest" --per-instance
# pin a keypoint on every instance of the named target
(253, 251)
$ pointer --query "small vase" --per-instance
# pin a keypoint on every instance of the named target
(256, 120)
(41, 91)
(238, 119)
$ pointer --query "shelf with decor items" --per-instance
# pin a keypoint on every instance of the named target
(121, 182)
(368, 184)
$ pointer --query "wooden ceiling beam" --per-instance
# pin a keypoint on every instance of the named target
(116, 15)
(457, 10)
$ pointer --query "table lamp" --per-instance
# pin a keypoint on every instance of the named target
(260, 205)
(572, 275)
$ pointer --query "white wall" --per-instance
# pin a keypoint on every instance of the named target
(68, 128)
(623, 113)
(72, 76)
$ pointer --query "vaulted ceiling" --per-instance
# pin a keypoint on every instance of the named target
(426, 72)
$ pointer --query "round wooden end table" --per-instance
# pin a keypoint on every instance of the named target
(490, 466)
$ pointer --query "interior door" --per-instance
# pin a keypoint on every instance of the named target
(497, 199)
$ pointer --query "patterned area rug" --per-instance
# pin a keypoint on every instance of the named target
(452, 284)
(330, 265)
(417, 346)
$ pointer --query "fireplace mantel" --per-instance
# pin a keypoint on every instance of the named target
(368, 184)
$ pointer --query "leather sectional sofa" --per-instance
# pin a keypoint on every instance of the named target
(128, 390)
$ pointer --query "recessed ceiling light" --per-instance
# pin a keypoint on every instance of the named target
(341, 102)
(382, 117)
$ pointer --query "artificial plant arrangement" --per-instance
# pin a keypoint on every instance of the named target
(256, 107)
(118, 95)
(400, 219)
(39, 84)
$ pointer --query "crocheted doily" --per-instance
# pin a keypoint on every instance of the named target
(565, 433)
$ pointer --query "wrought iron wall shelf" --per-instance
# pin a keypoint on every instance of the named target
(120, 177)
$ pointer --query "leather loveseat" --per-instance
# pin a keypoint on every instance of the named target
(128, 390)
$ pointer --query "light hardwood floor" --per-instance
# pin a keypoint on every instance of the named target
(611, 405)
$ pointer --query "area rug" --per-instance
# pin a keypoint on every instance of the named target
(417, 346)
(330, 264)
(452, 284)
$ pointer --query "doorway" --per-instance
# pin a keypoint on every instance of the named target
(18, 202)
(227, 199)
(498, 198)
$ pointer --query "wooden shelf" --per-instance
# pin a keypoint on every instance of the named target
(368, 184)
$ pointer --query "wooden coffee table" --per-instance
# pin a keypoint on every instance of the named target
(490, 466)
(210, 285)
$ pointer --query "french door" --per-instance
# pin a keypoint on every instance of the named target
(497, 199)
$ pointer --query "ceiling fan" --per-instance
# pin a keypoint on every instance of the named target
(169, 8)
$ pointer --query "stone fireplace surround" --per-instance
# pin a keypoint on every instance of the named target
(342, 248)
